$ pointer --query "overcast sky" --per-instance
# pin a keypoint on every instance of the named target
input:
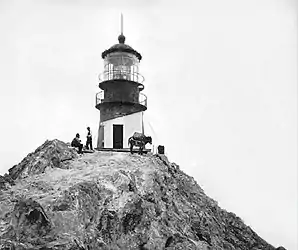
(221, 81)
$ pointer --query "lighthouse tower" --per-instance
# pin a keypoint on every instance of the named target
(120, 100)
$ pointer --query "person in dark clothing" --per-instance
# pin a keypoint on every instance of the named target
(76, 142)
(89, 139)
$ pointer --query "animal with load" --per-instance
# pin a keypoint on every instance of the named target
(139, 140)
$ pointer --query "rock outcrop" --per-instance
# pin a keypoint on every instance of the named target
(56, 199)
(51, 154)
(5, 181)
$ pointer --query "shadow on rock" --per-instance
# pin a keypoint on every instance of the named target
(29, 222)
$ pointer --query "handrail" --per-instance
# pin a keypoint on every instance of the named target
(99, 98)
(121, 74)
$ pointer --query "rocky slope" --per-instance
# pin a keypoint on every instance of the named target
(56, 199)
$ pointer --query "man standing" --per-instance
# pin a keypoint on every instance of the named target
(89, 139)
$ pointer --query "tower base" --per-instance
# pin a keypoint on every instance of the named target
(135, 150)
(114, 133)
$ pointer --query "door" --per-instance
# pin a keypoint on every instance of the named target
(117, 136)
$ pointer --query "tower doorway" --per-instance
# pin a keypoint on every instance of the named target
(117, 136)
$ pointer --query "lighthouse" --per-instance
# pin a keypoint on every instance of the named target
(120, 100)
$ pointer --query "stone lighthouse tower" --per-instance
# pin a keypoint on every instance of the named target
(120, 100)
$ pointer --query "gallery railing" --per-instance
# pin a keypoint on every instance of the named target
(121, 74)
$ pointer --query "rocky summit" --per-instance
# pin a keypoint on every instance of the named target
(57, 199)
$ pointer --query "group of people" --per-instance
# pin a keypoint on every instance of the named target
(76, 142)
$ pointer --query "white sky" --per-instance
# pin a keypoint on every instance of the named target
(221, 81)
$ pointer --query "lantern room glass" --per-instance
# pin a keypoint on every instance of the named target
(121, 65)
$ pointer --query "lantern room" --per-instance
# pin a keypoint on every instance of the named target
(122, 62)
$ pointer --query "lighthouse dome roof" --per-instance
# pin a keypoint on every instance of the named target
(121, 47)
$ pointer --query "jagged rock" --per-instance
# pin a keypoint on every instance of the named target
(6, 182)
(51, 154)
(3, 183)
(28, 222)
(112, 200)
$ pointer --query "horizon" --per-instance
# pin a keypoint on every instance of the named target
(221, 82)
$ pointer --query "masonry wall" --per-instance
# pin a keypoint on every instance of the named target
(121, 91)
(114, 110)
(131, 123)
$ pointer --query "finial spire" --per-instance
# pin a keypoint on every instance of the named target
(121, 37)
(121, 24)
